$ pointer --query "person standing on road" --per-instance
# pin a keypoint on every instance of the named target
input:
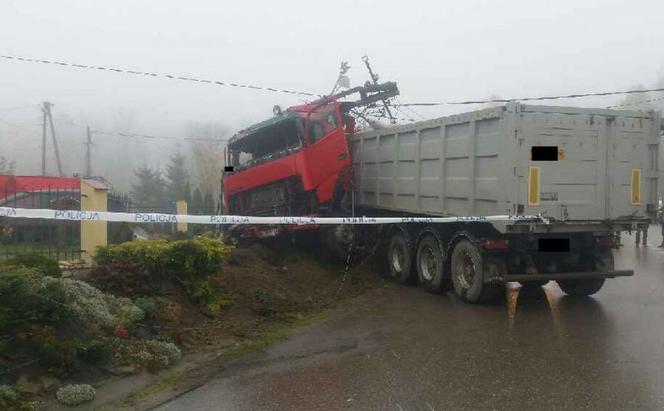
(660, 217)
(641, 232)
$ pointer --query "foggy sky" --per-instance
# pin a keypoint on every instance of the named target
(435, 50)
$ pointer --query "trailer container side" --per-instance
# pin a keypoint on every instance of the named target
(573, 165)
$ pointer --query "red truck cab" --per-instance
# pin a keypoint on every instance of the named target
(294, 164)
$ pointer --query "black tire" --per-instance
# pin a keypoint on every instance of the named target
(400, 258)
(533, 284)
(429, 262)
(584, 288)
(467, 271)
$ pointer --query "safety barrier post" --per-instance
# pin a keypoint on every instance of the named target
(94, 197)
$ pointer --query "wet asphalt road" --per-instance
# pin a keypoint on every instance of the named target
(399, 348)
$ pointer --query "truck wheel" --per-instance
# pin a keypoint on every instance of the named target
(400, 258)
(583, 288)
(429, 262)
(468, 275)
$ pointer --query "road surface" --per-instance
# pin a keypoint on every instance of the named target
(399, 348)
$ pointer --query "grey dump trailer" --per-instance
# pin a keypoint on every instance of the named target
(589, 173)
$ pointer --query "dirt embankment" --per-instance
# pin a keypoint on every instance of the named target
(269, 288)
(262, 284)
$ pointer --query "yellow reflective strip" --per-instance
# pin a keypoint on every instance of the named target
(533, 186)
(636, 186)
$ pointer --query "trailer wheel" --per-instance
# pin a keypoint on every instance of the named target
(400, 258)
(429, 263)
(583, 288)
(468, 275)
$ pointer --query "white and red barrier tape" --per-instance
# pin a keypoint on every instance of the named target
(76, 215)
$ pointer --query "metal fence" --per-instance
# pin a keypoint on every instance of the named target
(59, 240)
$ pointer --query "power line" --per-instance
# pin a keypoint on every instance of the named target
(138, 135)
(504, 100)
(161, 75)
(636, 103)
(148, 136)
(18, 107)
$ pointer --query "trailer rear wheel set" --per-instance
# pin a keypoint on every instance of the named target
(458, 262)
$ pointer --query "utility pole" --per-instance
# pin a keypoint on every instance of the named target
(88, 149)
(47, 115)
(43, 148)
(375, 78)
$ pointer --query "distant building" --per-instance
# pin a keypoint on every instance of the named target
(40, 192)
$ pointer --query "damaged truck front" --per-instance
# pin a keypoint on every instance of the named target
(294, 164)
(297, 163)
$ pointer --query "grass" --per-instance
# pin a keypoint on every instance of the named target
(284, 327)
(287, 324)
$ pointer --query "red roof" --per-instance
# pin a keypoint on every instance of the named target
(10, 184)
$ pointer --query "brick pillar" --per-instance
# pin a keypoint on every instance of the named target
(181, 209)
(94, 197)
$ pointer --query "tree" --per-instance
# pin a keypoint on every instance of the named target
(149, 189)
(207, 155)
(178, 178)
(636, 101)
(6, 166)
(208, 203)
(197, 202)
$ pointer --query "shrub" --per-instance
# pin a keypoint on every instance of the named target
(28, 297)
(10, 400)
(165, 353)
(208, 295)
(76, 394)
(95, 351)
(41, 264)
(7, 393)
(53, 349)
(94, 308)
(263, 302)
(151, 354)
(138, 267)
(147, 304)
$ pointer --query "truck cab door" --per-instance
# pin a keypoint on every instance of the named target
(326, 150)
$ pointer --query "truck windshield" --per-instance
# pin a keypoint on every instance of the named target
(280, 138)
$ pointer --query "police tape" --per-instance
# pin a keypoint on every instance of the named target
(77, 215)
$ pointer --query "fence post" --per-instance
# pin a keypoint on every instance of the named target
(181, 209)
(94, 197)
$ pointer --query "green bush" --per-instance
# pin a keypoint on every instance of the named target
(10, 400)
(95, 309)
(262, 303)
(207, 294)
(149, 355)
(41, 264)
(27, 297)
(95, 351)
(137, 267)
(147, 304)
(55, 351)
(76, 394)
